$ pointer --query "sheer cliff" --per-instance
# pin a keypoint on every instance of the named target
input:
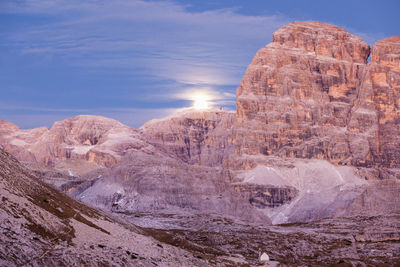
(312, 94)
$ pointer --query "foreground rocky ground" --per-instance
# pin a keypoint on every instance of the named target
(353, 241)
(41, 226)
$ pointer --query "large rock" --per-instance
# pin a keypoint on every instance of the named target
(99, 140)
(312, 94)
(195, 137)
(297, 93)
(384, 78)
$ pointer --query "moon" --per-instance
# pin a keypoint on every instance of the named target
(200, 102)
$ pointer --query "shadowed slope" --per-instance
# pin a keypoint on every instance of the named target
(41, 226)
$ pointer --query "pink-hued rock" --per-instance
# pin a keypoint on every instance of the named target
(387, 53)
(323, 40)
(96, 139)
(384, 78)
(311, 94)
(195, 137)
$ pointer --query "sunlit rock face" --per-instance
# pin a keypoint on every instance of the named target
(383, 75)
(312, 94)
(298, 92)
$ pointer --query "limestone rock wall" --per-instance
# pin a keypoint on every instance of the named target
(196, 137)
(384, 77)
(311, 94)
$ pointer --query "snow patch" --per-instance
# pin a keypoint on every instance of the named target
(284, 210)
(263, 175)
(82, 149)
(18, 142)
(70, 172)
(365, 111)
(339, 175)
(248, 179)
(319, 183)
(118, 202)
(279, 218)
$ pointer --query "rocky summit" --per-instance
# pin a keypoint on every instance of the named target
(312, 94)
(315, 142)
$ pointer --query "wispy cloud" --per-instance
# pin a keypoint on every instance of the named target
(167, 40)
(157, 41)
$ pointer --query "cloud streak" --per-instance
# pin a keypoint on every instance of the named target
(161, 36)
(157, 43)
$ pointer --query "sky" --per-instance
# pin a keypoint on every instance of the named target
(135, 60)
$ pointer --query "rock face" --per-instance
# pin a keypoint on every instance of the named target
(323, 40)
(299, 90)
(379, 198)
(96, 139)
(312, 94)
(383, 76)
(195, 137)
(143, 183)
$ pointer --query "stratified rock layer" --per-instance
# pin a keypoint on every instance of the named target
(312, 94)
(383, 75)
(195, 137)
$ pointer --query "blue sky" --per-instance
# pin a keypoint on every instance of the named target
(135, 60)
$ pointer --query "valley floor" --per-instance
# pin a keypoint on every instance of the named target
(352, 241)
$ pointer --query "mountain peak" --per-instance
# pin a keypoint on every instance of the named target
(323, 40)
